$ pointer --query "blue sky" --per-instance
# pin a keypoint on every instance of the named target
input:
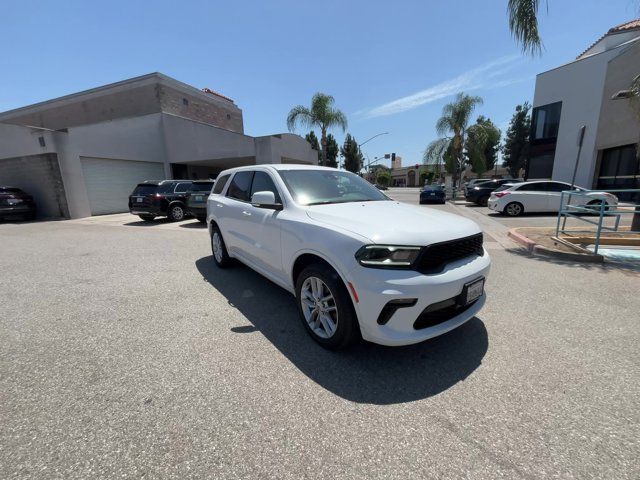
(391, 66)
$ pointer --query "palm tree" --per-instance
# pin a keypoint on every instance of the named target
(523, 23)
(452, 127)
(322, 114)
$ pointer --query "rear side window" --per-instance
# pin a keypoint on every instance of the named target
(182, 187)
(532, 187)
(262, 182)
(145, 189)
(201, 187)
(220, 183)
(240, 186)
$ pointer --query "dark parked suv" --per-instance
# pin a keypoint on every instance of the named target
(480, 192)
(197, 199)
(164, 198)
(16, 203)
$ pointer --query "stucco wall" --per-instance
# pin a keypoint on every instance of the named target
(619, 124)
(578, 86)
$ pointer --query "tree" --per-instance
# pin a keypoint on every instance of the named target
(483, 143)
(516, 144)
(322, 114)
(383, 177)
(313, 141)
(452, 126)
(351, 154)
(332, 151)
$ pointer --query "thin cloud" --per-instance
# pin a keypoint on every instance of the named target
(470, 80)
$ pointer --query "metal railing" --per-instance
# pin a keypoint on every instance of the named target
(579, 204)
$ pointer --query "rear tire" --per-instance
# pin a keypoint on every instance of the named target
(176, 213)
(514, 209)
(483, 201)
(147, 218)
(326, 310)
(202, 219)
(219, 249)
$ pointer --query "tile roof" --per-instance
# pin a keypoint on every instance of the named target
(623, 27)
(626, 26)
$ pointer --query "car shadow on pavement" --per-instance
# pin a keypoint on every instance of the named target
(194, 224)
(365, 373)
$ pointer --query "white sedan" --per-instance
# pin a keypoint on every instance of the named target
(359, 263)
(544, 196)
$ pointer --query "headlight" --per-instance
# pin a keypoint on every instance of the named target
(387, 256)
(476, 188)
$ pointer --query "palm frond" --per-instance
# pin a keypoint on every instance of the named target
(435, 151)
(299, 114)
(523, 23)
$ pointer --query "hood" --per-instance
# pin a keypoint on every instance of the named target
(391, 222)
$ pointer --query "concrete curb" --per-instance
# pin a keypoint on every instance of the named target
(537, 249)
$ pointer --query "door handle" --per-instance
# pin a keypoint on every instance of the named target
(244, 212)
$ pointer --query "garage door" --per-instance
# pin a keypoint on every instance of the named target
(39, 176)
(110, 182)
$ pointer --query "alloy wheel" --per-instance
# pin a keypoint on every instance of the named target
(319, 307)
(177, 213)
(514, 209)
(216, 244)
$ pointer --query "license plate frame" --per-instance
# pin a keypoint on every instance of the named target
(139, 200)
(472, 291)
(199, 198)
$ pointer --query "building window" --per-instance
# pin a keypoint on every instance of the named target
(228, 117)
(185, 102)
(545, 121)
(540, 166)
(619, 169)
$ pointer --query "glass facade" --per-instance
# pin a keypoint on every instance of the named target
(619, 169)
(545, 122)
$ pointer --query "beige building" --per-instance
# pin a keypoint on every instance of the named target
(82, 154)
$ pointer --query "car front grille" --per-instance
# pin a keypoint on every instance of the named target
(435, 257)
(439, 313)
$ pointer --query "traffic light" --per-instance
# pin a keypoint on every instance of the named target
(393, 157)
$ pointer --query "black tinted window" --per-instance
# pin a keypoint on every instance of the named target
(220, 183)
(240, 185)
(557, 187)
(182, 187)
(201, 187)
(145, 189)
(532, 187)
(262, 182)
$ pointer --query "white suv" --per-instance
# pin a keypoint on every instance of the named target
(358, 262)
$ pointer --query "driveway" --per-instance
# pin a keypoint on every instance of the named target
(126, 353)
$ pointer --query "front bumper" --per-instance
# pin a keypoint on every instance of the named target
(493, 205)
(376, 287)
(17, 211)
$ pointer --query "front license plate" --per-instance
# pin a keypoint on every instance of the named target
(139, 200)
(198, 198)
(473, 290)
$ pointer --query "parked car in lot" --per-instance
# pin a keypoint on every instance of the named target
(358, 262)
(432, 194)
(197, 199)
(15, 203)
(162, 198)
(472, 183)
(381, 187)
(543, 196)
(480, 192)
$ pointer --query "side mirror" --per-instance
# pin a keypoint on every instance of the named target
(265, 200)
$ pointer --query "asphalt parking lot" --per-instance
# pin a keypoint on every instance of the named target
(124, 352)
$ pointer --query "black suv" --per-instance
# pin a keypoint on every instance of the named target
(480, 192)
(16, 203)
(197, 199)
(164, 198)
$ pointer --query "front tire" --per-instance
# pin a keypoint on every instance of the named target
(514, 209)
(176, 212)
(219, 249)
(325, 307)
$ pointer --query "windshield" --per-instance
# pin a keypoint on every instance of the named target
(315, 187)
